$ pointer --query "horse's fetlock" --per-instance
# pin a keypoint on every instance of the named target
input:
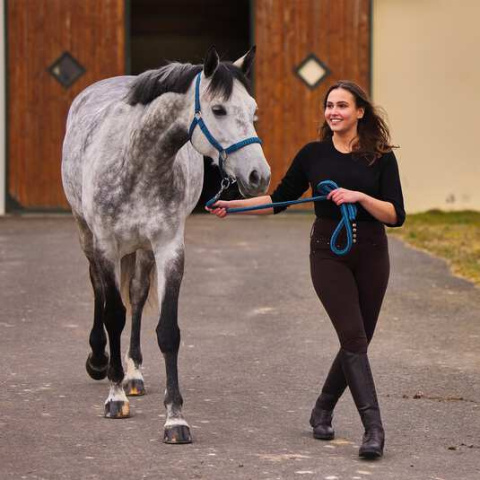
(115, 374)
(98, 341)
(173, 403)
(136, 355)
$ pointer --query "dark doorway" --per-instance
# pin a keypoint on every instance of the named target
(183, 30)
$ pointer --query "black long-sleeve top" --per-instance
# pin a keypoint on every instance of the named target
(318, 161)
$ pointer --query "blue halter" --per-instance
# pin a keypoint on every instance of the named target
(223, 152)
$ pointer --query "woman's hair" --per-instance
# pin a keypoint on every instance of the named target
(373, 135)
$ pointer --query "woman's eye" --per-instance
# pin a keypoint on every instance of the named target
(219, 110)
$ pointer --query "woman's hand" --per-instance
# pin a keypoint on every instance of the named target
(342, 195)
(382, 211)
(219, 208)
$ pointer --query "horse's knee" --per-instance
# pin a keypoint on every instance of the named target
(168, 338)
(115, 316)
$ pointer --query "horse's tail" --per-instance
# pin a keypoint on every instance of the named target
(127, 272)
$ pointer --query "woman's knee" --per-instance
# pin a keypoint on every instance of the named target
(355, 344)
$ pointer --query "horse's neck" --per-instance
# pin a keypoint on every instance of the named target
(161, 133)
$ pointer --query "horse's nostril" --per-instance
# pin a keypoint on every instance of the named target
(254, 178)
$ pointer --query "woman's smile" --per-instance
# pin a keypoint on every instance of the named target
(341, 112)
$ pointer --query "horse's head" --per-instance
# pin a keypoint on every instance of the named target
(222, 122)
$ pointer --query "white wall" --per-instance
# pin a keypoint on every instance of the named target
(426, 74)
(2, 109)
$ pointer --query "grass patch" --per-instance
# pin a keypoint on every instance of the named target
(454, 236)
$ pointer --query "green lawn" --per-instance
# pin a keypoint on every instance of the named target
(454, 236)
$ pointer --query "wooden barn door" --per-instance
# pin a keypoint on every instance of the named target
(55, 49)
(290, 34)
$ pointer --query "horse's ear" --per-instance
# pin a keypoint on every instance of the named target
(245, 62)
(211, 62)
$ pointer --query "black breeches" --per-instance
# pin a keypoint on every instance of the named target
(351, 287)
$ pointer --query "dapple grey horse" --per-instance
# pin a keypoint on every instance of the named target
(132, 172)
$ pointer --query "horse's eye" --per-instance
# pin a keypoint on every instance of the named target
(219, 110)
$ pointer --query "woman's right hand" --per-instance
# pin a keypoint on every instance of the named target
(219, 208)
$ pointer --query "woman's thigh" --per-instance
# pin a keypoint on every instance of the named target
(371, 275)
(336, 288)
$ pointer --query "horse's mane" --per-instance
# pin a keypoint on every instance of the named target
(177, 77)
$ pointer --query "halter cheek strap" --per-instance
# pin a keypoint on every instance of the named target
(223, 152)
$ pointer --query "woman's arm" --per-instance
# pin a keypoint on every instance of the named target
(291, 187)
(219, 208)
(382, 211)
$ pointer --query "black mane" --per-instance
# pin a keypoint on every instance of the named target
(177, 78)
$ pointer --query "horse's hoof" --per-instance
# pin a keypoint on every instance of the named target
(117, 409)
(177, 434)
(134, 387)
(97, 369)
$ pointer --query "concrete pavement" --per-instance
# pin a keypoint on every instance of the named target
(256, 345)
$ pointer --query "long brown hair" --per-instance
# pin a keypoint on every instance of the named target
(373, 135)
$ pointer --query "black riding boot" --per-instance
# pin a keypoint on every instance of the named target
(360, 381)
(322, 414)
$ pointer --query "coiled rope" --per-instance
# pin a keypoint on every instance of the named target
(348, 211)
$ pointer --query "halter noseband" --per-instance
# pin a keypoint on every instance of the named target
(223, 152)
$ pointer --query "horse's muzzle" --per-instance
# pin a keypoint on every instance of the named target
(257, 183)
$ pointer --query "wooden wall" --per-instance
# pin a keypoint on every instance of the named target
(286, 31)
(39, 31)
(93, 31)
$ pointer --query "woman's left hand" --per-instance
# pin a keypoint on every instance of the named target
(342, 195)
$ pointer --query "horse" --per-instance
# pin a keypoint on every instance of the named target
(132, 172)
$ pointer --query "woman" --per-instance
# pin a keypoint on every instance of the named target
(355, 152)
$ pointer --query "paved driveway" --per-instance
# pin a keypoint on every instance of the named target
(256, 345)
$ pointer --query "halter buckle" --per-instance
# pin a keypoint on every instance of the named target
(225, 183)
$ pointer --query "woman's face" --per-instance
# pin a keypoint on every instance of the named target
(341, 112)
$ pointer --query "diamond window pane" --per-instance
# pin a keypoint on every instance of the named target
(66, 70)
(312, 71)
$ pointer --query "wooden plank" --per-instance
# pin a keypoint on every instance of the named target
(38, 33)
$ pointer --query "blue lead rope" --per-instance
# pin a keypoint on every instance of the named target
(348, 211)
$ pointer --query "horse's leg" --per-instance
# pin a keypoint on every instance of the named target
(170, 264)
(117, 404)
(138, 289)
(97, 361)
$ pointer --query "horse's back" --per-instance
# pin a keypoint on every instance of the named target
(97, 96)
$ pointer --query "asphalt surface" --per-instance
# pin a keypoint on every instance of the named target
(256, 345)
